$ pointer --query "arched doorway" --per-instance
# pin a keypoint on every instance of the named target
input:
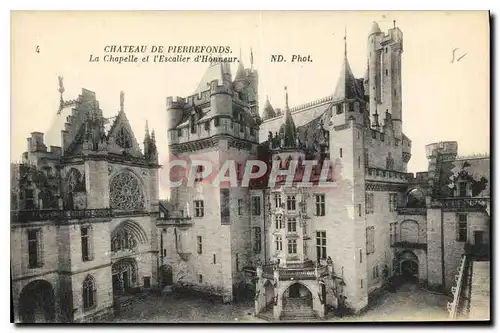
(37, 303)
(269, 294)
(297, 300)
(415, 198)
(167, 278)
(408, 266)
(124, 276)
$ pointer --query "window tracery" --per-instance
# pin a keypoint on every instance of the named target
(75, 181)
(126, 193)
(123, 139)
(123, 240)
(89, 292)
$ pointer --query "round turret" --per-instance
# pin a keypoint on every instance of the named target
(175, 111)
(375, 28)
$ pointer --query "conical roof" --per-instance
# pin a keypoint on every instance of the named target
(288, 131)
(240, 72)
(268, 110)
(347, 85)
(375, 28)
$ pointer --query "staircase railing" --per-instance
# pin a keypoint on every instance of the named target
(460, 278)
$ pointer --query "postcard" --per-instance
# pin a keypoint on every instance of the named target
(250, 167)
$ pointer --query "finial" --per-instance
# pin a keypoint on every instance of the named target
(61, 85)
(61, 91)
(147, 127)
(345, 41)
(122, 100)
(394, 22)
(286, 97)
(251, 58)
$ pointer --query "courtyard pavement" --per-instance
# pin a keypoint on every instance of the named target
(189, 309)
(409, 303)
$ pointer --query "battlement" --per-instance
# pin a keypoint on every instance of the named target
(473, 156)
(393, 35)
(175, 101)
(443, 147)
(199, 98)
(420, 177)
(215, 88)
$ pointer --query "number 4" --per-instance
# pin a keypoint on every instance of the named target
(37, 49)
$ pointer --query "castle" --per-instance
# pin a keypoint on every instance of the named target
(307, 249)
(88, 229)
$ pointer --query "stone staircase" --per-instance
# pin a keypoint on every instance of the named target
(297, 309)
(125, 303)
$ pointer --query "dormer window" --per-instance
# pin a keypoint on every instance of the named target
(216, 122)
(339, 108)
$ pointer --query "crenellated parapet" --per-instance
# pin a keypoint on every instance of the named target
(443, 147)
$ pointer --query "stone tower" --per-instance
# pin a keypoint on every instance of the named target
(218, 124)
(384, 77)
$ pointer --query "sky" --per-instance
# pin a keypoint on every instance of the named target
(442, 100)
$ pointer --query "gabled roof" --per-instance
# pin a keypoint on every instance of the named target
(215, 71)
(120, 122)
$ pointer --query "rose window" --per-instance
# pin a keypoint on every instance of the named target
(126, 193)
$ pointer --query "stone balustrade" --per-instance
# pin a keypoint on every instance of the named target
(55, 214)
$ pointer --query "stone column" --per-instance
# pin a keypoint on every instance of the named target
(278, 305)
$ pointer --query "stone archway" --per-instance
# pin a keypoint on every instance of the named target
(37, 302)
(124, 276)
(408, 266)
(297, 301)
(269, 295)
(167, 278)
(415, 198)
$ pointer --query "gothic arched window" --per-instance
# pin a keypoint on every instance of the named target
(123, 139)
(75, 181)
(89, 292)
(123, 240)
(126, 193)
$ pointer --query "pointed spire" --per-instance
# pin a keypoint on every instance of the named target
(347, 86)
(251, 58)
(122, 101)
(146, 134)
(288, 131)
(268, 110)
(345, 42)
(286, 97)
